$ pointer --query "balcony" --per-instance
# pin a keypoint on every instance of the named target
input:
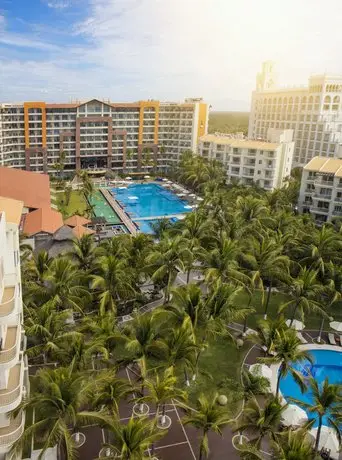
(319, 210)
(338, 199)
(337, 213)
(7, 303)
(11, 396)
(11, 433)
(325, 183)
(323, 197)
(10, 349)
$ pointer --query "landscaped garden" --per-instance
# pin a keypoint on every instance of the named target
(103, 359)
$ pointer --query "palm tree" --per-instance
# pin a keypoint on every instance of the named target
(265, 260)
(261, 421)
(131, 441)
(103, 330)
(267, 333)
(83, 252)
(160, 227)
(254, 385)
(113, 282)
(38, 266)
(176, 348)
(83, 351)
(293, 445)
(221, 261)
(58, 398)
(47, 330)
(329, 297)
(304, 290)
(207, 417)
(110, 391)
(166, 262)
(64, 285)
(288, 353)
(161, 389)
(327, 402)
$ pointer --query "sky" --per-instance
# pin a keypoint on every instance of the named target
(128, 50)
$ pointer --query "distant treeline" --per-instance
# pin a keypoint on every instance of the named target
(228, 122)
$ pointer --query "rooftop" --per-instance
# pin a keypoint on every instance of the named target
(325, 165)
(32, 188)
(240, 143)
(76, 220)
(44, 220)
(12, 209)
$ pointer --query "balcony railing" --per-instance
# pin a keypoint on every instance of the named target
(320, 210)
(322, 196)
(11, 345)
(10, 434)
(7, 303)
(326, 183)
(15, 387)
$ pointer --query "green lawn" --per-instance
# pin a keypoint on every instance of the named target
(77, 204)
(220, 367)
(312, 321)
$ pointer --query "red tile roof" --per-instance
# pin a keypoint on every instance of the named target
(30, 187)
(44, 220)
(76, 220)
(80, 231)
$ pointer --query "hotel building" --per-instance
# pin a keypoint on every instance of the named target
(100, 134)
(248, 161)
(14, 381)
(321, 189)
(313, 112)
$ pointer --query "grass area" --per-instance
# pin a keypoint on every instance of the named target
(277, 299)
(77, 203)
(220, 366)
(228, 122)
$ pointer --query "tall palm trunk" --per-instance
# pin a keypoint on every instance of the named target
(319, 338)
(320, 421)
(278, 380)
(246, 318)
(268, 299)
(294, 312)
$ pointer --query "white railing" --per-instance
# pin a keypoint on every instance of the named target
(7, 307)
(10, 353)
(17, 426)
(11, 396)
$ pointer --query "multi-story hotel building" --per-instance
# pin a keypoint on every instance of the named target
(321, 189)
(13, 364)
(249, 161)
(97, 134)
(313, 112)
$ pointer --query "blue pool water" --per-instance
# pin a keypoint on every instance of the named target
(149, 200)
(145, 226)
(327, 364)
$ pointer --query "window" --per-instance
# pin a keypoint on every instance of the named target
(260, 162)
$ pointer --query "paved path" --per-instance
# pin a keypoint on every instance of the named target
(125, 219)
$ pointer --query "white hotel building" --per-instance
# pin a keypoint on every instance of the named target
(104, 135)
(321, 189)
(313, 112)
(13, 364)
(249, 161)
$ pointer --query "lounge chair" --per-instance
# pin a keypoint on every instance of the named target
(332, 339)
(301, 338)
(341, 340)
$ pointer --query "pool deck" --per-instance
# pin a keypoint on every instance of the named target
(165, 216)
(125, 219)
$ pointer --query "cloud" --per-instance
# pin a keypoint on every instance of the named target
(26, 42)
(134, 49)
(58, 4)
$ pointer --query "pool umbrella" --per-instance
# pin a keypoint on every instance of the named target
(192, 195)
(199, 198)
(328, 440)
(147, 177)
(164, 180)
(261, 370)
(296, 324)
(336, 325)
(294, 415)
(128, 178)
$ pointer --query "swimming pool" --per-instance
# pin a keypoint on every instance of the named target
(145, 226)
(327, 364)
(150, 200)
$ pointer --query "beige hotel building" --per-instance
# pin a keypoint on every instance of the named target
(312, 111)
(124, 137)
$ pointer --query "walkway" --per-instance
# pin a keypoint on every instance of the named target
(125, 219)
(168, 216)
